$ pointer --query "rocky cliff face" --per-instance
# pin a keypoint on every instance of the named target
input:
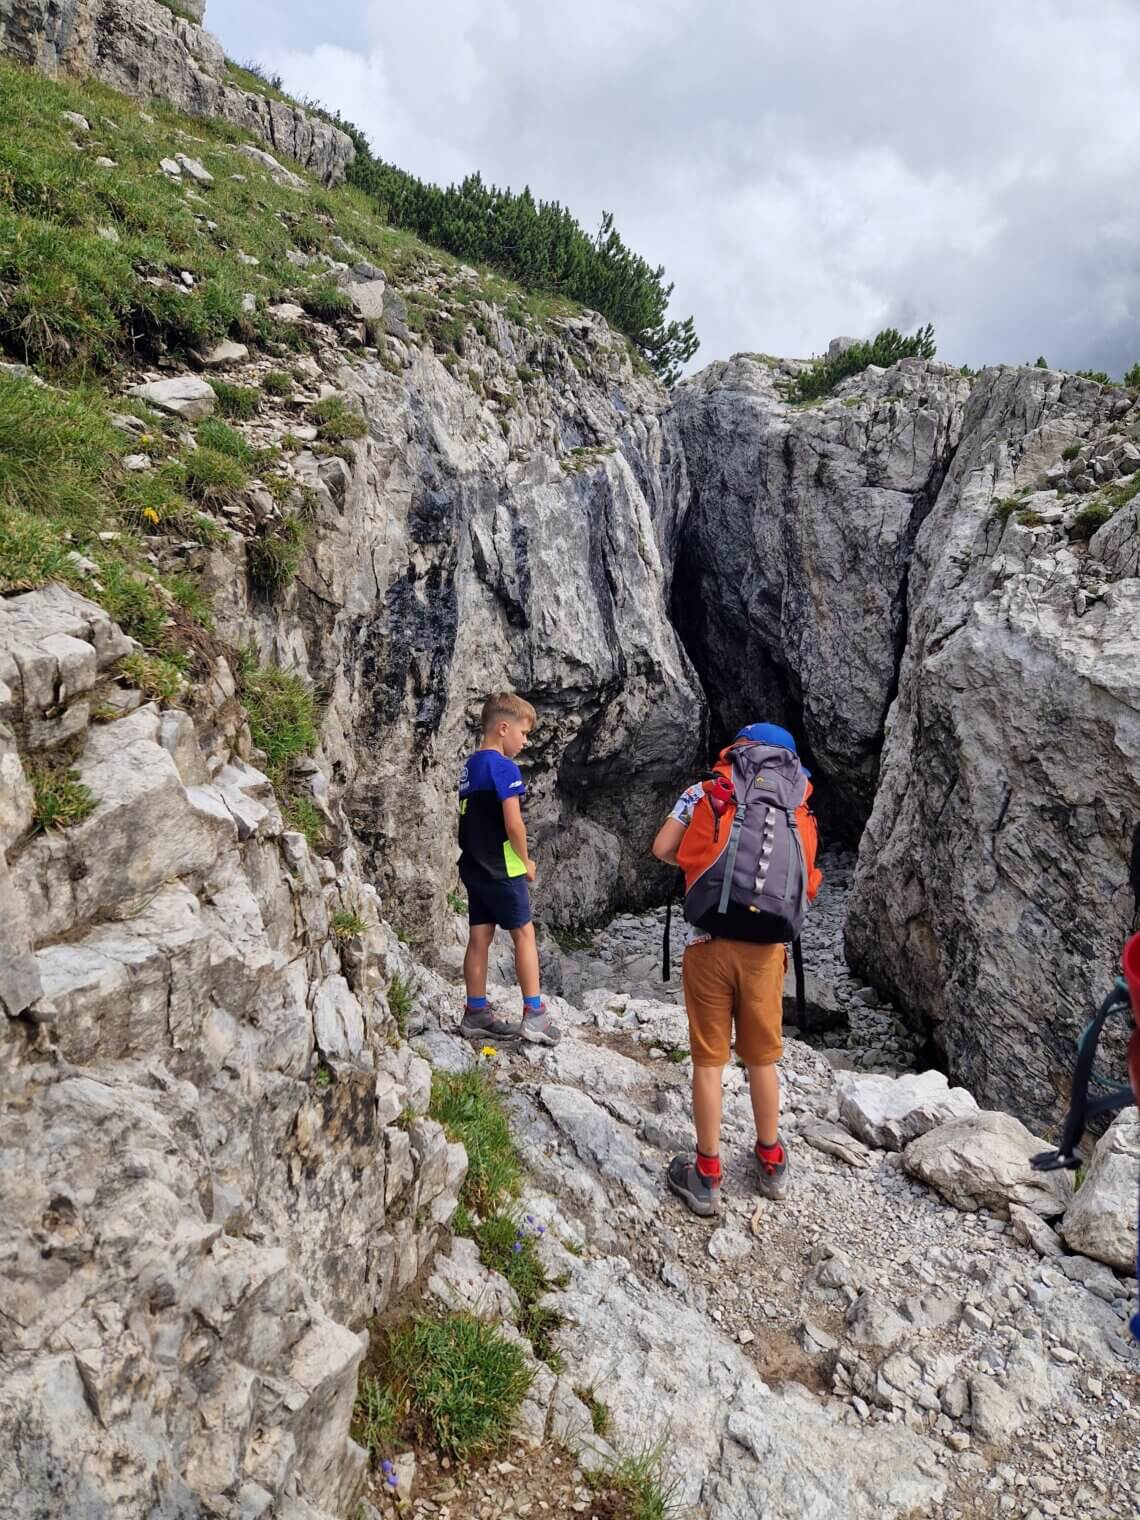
(200, 1079)
(792, 535)
(145, 50)
(991, 893)
(491, 532)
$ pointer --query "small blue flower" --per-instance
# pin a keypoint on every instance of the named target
(393, 1481)
(530, 1219)
(517, 1247)
(542, 1229)
(386, 1466)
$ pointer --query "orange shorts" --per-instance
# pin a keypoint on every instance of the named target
(728, 981)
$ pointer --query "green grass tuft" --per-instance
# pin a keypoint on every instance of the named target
(1088, 520)
(400, 1003)
(240, 401)
(159, 680)
(303, 815)
(600, 1417)
(275, 555)
(282, 716)
(277, 383)
(1071, 452)
(463, 1379)
(61, 799)
(346, 925)
(470, 1110)
(456, 903)
(375, 1417)
(639, 1484)
(326, 301)
(335, 420)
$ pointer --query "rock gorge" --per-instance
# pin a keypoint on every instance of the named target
(218, 1161)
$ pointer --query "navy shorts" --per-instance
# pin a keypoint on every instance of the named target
(505, 903)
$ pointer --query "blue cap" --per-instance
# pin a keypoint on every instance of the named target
(767, 733)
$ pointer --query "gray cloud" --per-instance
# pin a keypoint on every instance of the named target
(800, 169)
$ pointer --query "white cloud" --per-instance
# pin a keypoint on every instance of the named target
(800, 169)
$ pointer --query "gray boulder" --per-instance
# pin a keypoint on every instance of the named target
(1101, 1220)
(889, 1112)
(983, 1161)
(187, 396)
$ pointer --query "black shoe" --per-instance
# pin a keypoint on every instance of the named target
(702, 1194)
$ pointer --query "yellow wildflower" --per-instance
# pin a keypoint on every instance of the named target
(151, 515)
(489, 1050)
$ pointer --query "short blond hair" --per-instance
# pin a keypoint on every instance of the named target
(504, 705)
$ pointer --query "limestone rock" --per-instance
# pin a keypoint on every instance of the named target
(998, 830)
(791, 532)
(743, 1449)
(460, 1281)
(187, 396)
(889, 1112)
(277, 171)
(1101, 1220)
(224, 354)
(983, 1162)
(367, 297)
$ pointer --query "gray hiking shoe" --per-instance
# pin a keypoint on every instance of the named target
(700, 1193)
(539, 1028)
(483, 1025)
(772, 1178)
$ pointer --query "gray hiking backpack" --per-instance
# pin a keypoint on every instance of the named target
(745, 868)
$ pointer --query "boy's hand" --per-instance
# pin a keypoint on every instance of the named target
(531, 869)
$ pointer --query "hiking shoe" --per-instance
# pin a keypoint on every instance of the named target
(483, 1025)
(539, 1028)
(772, 1180)
(701, 1194)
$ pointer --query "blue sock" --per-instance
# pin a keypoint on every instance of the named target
(476, 1005)
(532, 1005)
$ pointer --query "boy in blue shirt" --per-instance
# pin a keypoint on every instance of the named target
(495, 867)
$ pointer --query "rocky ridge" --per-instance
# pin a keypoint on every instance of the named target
(199, 1076)
(152, 51)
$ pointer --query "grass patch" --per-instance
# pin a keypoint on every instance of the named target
(508, 1245)
(1028, 518)
(239, 401)
(456, 903)
(639, 1484)
(274, 555)
(346, 925)
(400, 1003)
(327, 302)
(470, 1110)
(375, 1417)
(335, 420)
(277, 383)
(600, 1417)
(282, 717)
(159, 680)
(303, 815)
(61, 799)
(1005, 509)
(1120, 495)
(1088, 520)
(213, 478)
(462, 1379)
(221, 438)
(1071, 452)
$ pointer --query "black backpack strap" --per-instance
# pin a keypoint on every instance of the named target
(1082, 1108)
(666, 959)
(801, 993)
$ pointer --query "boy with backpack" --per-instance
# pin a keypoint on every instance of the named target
(746, 841)
(495, 867)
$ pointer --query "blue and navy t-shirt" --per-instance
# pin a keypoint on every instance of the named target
(488, 779)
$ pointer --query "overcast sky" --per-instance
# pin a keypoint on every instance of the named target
(802, 168)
